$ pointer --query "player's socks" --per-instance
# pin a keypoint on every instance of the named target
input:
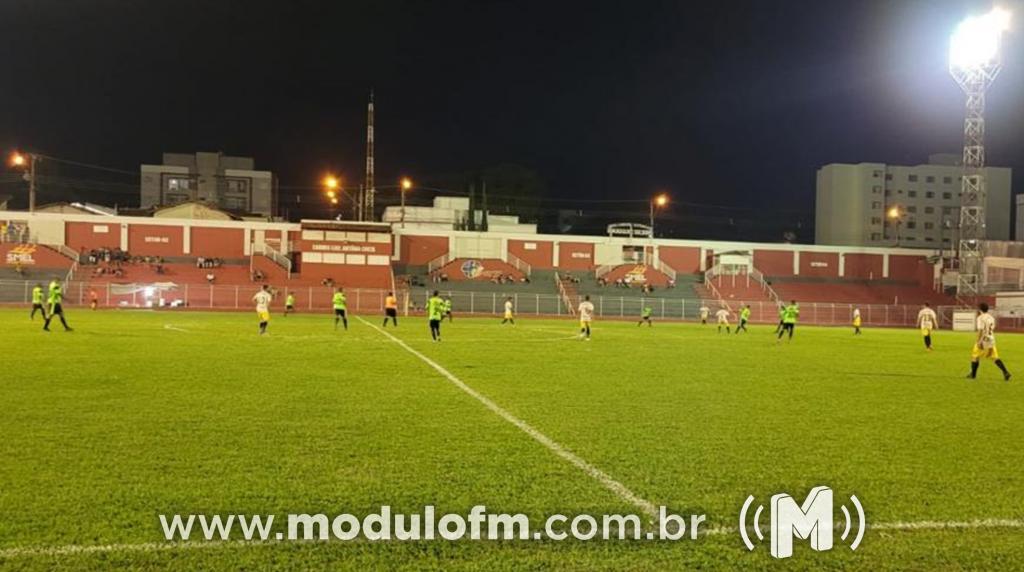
(974, 370)
(1002, 367)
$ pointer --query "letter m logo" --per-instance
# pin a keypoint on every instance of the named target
(811, 520)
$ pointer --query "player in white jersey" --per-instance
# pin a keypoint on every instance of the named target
(856, 321)
(586, 311)
(262, 300)
(723, 320)
(927, 321)
(985, 344)
(509, 317)
(704, 313)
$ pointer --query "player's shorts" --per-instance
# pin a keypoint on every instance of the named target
(856, 322)
(723, 322)
(56, 309)
(508, 315)
(264, 315)
(989, 352)
(391, 312)
(289, 307)
(38, 307)
(435, 324)
(925, 332)
(584, 323)
(339, 312)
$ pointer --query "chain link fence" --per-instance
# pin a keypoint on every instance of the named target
(365, 300)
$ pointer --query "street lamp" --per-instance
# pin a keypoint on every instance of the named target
(896, 216)
(974, 62)
(406, 185)
(332, 188)
(657, 202)
(27, 160)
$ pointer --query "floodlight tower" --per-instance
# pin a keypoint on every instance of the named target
(974, 62)
(369, 190)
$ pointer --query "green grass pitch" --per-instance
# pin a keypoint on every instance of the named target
(135, 414)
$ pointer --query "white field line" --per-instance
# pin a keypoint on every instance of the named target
(600, 476)
(174, 328)
(151, 547)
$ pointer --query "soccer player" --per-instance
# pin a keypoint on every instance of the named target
(723, 319)
(391, 309)
(435, 311)
(645, 316)
(509, 317)
(586, 311)
(94, 299)
(789, 315)
(704, 313)
(37, 302)
(856, 321)
(448, 308)
(340, 307)
(985, 344)
(289, 304)
(782, 314)
(55, 299)
(262, 300)
(744, 318)
(927, 321)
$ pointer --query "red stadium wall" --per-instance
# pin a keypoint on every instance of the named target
(575, 256)
(913, 268)
(153, 240)
(863, 266)
(819, 264)
(683, 259)
(774, 262)
(541, 256)
(217, 242)
(419, 250)
(83, 236)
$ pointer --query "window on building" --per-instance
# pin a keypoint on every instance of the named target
(876, 236)
(929, 210)
(929, 225)
(911, 193)
(912, 178)
(888, 192)
(888, 176)
(876, 174)
(899, 192)
(236, 203)
(947, 180)
(929, 194)
(876, 189)
(909, 238)
(946, 241)
(876, 204)
(876, 220)
(929, 239)
(929, 179)
(911, 209)
(179, 183)
(947, 210)
(911, 224)
(947, 195)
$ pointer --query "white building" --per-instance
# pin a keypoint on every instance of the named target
(452, 213)
(852, 202)
(230, 183)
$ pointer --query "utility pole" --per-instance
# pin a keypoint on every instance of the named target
(33, 159)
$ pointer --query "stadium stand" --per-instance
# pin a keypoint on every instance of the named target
(857, 291)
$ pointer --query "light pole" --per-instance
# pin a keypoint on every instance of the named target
(896, 216)
(974, 62)
(406, 185)
(657, 202)
(332, 186)
(27, 160)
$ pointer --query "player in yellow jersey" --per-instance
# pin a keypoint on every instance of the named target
(391, 309)
(985, 344)
(262, 300)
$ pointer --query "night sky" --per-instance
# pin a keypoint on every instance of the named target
(728, 104)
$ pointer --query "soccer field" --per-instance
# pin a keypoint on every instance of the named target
(138, 414)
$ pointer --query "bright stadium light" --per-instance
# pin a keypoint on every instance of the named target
(657, 202)
(974, 62)
(894, 213)
(976, 41)
(406, 184)
(331, 182)
(18, 160)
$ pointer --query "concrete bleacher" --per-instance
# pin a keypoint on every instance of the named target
(857, 291)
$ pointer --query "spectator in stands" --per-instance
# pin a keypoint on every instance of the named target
(200, 262)
(671, 283)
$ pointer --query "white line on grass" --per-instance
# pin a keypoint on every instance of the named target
(149, 547)
(609, 483)
(174, 328)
